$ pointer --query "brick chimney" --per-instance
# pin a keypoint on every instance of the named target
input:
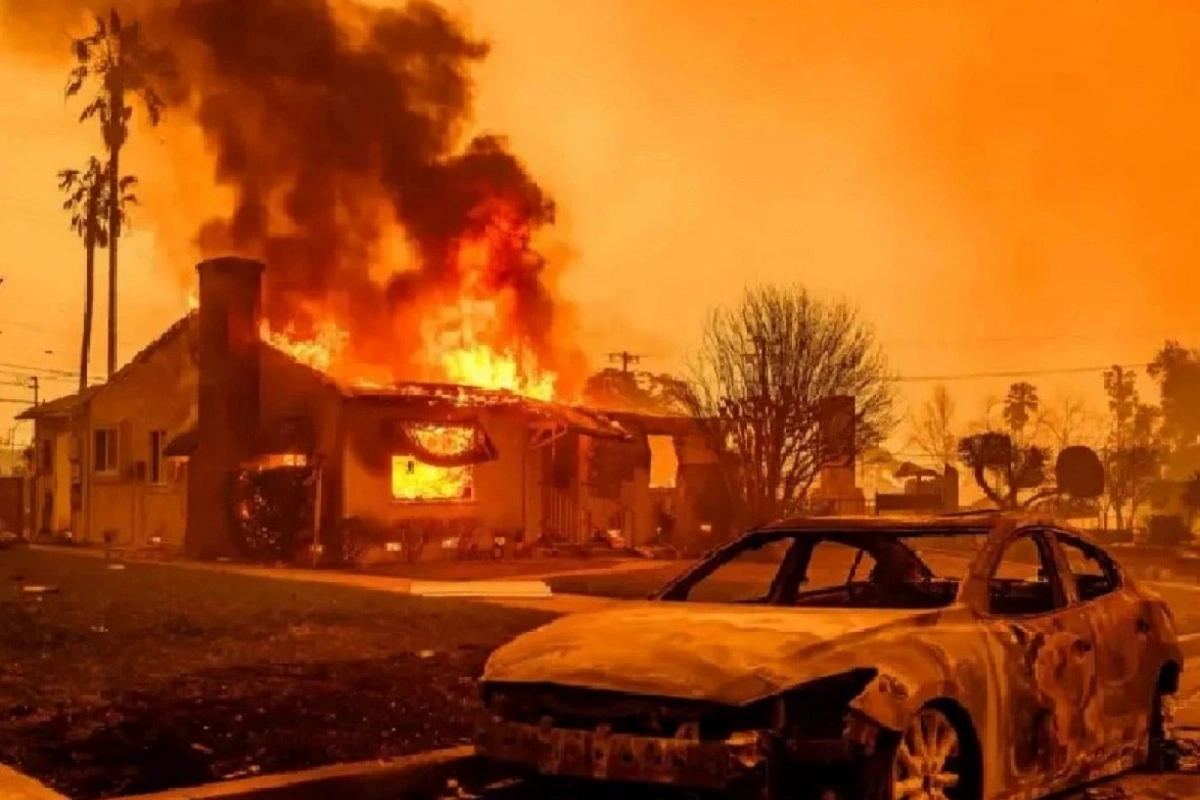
(228, 408)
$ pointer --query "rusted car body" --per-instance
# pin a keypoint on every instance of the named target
(904, 684)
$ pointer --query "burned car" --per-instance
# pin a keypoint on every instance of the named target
(973, 656)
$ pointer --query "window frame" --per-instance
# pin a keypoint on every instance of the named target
(795, 559)
(46, 454)
(112, 466)
(1112, 571)
(1048, 557)
(155, 474)
(472, 495)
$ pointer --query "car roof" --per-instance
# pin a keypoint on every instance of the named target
(974, 522)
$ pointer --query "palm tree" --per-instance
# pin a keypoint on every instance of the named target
(83, 189)
(87, 199)
(117, 58)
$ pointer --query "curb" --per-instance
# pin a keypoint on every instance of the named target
(19, 786)
(424, 774)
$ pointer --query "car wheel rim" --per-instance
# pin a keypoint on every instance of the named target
(922, 768)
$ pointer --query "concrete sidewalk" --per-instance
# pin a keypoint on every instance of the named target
(516, 592)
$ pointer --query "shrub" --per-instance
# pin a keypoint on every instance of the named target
(1167, 530)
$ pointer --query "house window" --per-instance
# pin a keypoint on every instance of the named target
(47, 467)
(104, 451)
(414, 481)
(158, 441)
(664, 461)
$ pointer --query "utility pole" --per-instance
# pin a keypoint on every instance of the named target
(36, 386)
(625, 358)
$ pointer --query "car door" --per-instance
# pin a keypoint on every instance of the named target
(1048, 671)
(1125, 678)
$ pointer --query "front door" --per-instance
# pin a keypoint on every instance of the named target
(12, 504)
(1125, 684)
(1049, 665)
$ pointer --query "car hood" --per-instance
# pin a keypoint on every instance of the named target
(719, 653)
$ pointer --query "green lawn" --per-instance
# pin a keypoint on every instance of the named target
(156, 676)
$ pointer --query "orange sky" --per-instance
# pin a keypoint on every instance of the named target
(1000, 186)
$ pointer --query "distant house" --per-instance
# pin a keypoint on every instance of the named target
(149, 455)
(99, 455)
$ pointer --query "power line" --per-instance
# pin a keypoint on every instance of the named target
(66, 373)
(1144, 333)
(57, 331)
(1027, 373)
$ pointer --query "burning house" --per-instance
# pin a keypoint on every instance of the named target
(152, 455)
(410, 254)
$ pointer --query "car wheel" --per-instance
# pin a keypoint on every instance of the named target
(930, 760)
(1160, 756)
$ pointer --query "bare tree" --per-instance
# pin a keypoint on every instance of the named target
(757, 385)
(1070, 422)
(933, 426)
(991, 415)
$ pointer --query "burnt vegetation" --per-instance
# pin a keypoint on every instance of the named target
(757, 387)
(154, 677)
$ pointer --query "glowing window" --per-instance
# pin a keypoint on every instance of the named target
(415, 481)
(450, 477)
(664, 463)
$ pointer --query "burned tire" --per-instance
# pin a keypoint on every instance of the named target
(1160, 755)
(934, 758)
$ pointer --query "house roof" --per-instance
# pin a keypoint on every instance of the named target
(277, 437)
(182, 445)
(176, 328)
(910, 470)
(419, 395)
(452, 396)
(61, 407)
(65, 406)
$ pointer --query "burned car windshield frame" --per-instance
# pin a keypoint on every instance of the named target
(872, 539)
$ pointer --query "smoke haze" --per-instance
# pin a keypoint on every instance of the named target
(334, 127)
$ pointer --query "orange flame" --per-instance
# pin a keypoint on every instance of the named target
(469, 333)
(320, 352)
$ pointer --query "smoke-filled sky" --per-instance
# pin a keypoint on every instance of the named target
(1001, 186)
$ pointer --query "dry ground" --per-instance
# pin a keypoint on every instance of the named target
(152, 676)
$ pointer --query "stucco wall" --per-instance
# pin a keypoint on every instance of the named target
(57, 482)
(157, 393)
(498, 505)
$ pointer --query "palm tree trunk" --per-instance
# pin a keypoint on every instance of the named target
(89, 290)
(114, 236)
